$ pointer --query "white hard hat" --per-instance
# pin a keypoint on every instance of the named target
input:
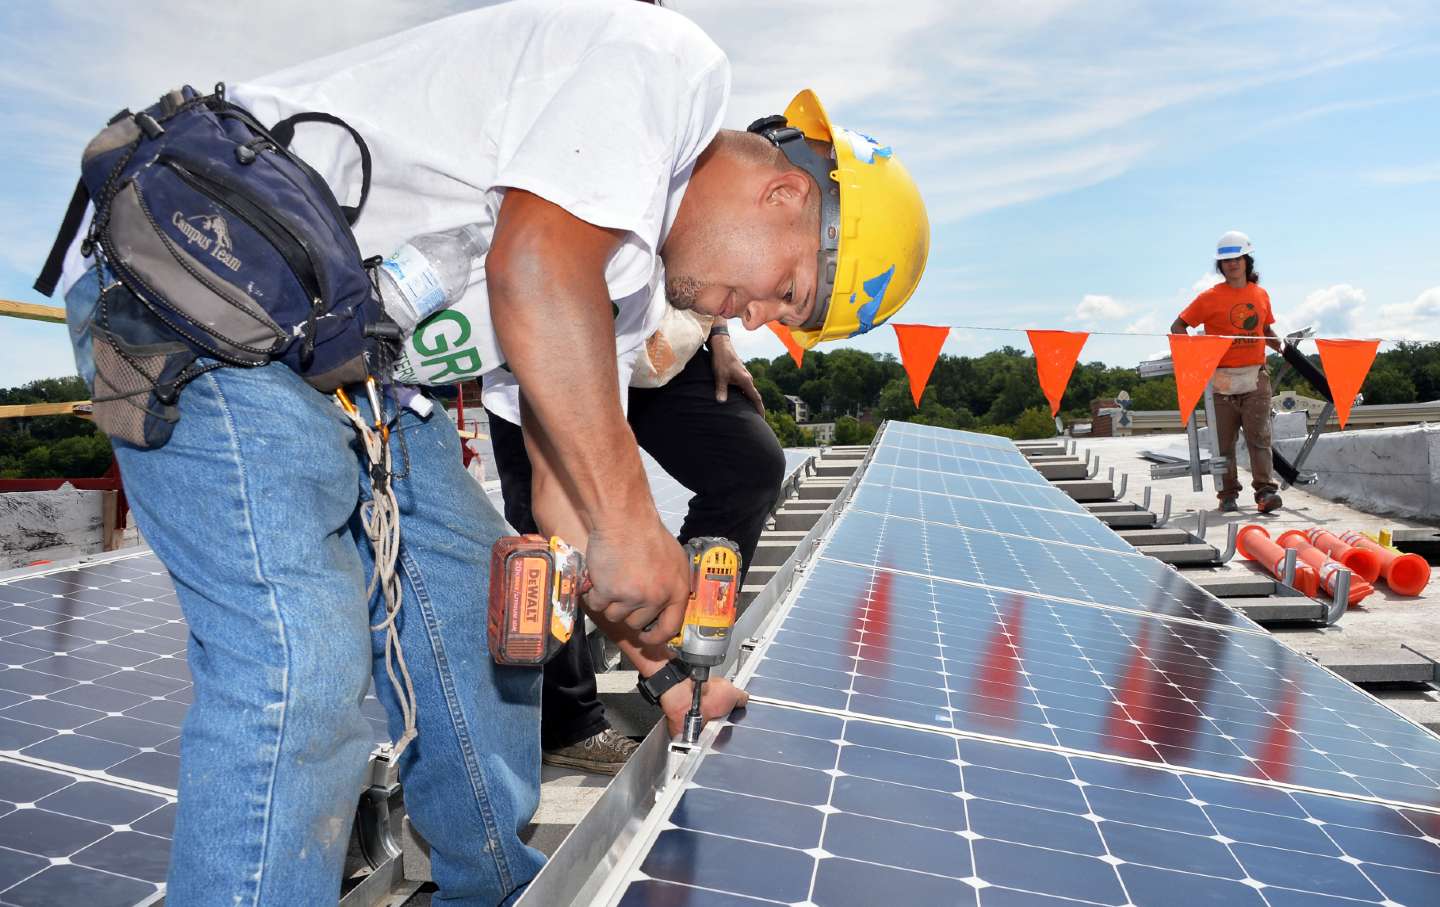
(1233, 244)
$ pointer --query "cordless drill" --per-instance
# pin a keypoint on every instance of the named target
(536, 583)
(709, 616)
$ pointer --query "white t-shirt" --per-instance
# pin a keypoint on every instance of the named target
(599, 106)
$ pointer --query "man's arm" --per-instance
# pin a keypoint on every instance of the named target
(1179, 327)
(551, 310)
(1271, 339)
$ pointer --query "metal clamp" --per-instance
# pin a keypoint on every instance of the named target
(1340, 601)
(1165, 513)
(1287, 572)
(1232, 537)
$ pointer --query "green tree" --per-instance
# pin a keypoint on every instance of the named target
(787, 432)
(1035, 422)
(1388, 385)
(770, 394)
(849, 430)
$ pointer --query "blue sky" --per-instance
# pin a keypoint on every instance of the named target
(1078, 159)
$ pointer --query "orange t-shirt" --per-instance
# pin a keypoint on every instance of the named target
(1222, 309)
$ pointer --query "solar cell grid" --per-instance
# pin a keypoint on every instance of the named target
(65, 839)
(1051, 526)
(902, 433)
(794, 807)
(1014, 471)
(977, 660)
(1047, 497)
(1022, 565)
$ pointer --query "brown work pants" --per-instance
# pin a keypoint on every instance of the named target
(1252, 411)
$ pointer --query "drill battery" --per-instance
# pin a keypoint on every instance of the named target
(534, 592)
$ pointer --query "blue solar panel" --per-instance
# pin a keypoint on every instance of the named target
(978, 695)
(1044, 525)
(979, 660)
(1046, 497)
(795, 807)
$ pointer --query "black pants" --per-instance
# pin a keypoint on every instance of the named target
(724, 453)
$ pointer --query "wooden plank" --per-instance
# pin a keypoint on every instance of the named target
(24, 410)
(32, 312)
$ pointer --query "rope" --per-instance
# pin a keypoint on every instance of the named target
(1282, 338)
(381, 518)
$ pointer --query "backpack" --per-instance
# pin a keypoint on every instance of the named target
(215, 241)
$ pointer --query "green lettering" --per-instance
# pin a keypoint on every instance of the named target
(453, 365)
(434, 342)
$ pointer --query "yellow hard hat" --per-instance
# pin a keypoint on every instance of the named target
(874, 234)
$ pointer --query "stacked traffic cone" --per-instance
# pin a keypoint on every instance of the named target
(1405, 574)
(1255, 544)
(1363, 562)
(1325, 566)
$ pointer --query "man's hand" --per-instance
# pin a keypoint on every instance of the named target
(730, 370)
(639, 576)
(717, 699)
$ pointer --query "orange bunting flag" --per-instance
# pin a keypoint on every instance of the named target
(919, 348)
(797, 352)
(1195, 357)
(1056, 353)
(1346, 362)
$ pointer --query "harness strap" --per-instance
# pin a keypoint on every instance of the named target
(284, 133)
(55, 262)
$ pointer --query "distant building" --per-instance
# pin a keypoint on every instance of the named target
(799, 409)
(824, 431)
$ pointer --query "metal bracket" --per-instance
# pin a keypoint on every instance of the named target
(1232, 536)
(1340, 601)
(1287, 572)
(1164, 517)
(1124, 484)
(1202, 523)
(1313, 435)
(1145, 498)
(1091, 471)
(1070, 447)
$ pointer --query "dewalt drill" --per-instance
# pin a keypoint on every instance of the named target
(535, 584)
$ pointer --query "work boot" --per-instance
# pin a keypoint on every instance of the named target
(1267, 501)
(605, 752)
(1228, 505)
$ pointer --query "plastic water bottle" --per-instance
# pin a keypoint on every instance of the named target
(429, 273)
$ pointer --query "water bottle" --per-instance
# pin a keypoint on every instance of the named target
(429, 273)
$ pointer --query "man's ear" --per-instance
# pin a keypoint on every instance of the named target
(787, 188)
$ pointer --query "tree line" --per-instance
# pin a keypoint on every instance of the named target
(996, 393)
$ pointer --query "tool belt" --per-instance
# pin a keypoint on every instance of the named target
(1238, 380)
(214, 241)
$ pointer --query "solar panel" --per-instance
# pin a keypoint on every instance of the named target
(1050, 526)
(800, 808)
(1054, 673)
(67, 839)
(975, 696)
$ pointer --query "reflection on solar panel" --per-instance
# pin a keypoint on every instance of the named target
(971, 699)
(1046, 497)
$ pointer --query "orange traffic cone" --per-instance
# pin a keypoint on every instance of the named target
(1405, 574)
(1325, 566)
(1255, 544)
(1363, 562)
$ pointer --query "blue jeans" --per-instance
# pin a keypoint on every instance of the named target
(253, 508)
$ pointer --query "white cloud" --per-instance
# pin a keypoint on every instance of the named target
(1334, 311)
(1406, 176)
(1204, 282)
(1149, 323)
(1095, 307)
(1415, 320)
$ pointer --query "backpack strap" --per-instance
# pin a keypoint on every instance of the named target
(284, 132)
(69, 227)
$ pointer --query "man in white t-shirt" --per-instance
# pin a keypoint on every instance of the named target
(582, 137)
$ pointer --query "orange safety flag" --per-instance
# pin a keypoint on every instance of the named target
(1056, 353)
(1346, 362)
(1195, 357)
(919, 348)
(797, 352)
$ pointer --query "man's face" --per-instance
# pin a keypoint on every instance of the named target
(753, 262)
